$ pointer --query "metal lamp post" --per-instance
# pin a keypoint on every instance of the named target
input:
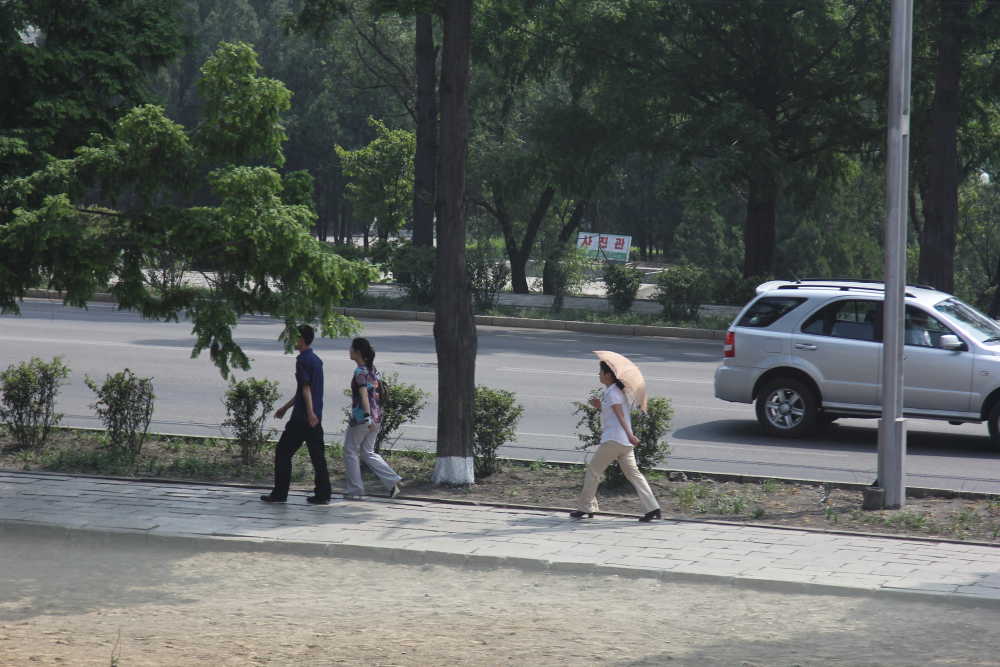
(892, 426)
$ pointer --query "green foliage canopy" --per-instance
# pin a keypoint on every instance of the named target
(74, 68)
(381, 173)
(253, 250)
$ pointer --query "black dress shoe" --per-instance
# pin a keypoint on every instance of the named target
(580, 515)
(271, 498)
(318, 500)
(649, 516)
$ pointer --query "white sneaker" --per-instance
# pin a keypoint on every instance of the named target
(395, 491)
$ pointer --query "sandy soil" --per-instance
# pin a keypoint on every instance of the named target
(66, 605)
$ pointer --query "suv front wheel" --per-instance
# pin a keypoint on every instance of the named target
(786, 408)
(993, 422)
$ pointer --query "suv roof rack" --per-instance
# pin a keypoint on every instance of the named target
(846, 288)
(860, 280)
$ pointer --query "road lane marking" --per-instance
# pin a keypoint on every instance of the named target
(538, 370)
(805, 452)
(250, 354)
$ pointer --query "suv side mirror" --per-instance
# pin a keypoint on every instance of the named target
(950, 342)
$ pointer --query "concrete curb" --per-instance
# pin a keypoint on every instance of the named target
(217, 543)
(485, 320)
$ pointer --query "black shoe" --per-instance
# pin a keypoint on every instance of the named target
(649, 516)
(318, 500)
(271, 498)
(580, 515)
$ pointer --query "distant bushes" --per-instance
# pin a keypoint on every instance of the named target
(621, 283)
(488, 276)
(680, 289)
(414, 267)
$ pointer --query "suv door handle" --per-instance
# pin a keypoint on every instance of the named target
(803, 346)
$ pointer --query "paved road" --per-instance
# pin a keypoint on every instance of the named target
(548, 370)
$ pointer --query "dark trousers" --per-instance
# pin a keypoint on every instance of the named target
(295, 434)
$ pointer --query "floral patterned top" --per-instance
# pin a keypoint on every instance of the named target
(364, 377)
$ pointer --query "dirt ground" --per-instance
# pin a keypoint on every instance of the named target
(95, 606)
(534, 484)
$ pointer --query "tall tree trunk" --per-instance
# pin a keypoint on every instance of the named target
(454, 325)
(937, 248)
(345, 223)
(994, 311)
(425, 160)
(519, 256)
(761, 207)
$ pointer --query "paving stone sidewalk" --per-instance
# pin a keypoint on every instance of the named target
(134, 514)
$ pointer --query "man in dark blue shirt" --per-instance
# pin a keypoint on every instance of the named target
(305, 425)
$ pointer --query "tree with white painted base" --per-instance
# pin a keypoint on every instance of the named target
(454, 324)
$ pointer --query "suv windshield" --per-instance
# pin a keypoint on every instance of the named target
(973, 322)
(768, 310)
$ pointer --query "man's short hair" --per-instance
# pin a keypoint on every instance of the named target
(307, 333)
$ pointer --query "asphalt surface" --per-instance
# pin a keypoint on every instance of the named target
(548, 370)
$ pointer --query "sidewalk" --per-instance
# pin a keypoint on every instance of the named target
(208, 518)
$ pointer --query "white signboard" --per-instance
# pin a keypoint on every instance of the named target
(605, 246)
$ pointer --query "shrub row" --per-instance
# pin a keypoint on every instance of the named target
(28, 394)
(125, 405)
(680, 288)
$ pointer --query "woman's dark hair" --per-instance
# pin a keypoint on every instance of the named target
(607, 369)
(365, 348)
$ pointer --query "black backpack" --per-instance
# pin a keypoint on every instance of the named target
(383, 389)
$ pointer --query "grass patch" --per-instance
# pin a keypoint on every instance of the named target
(770, 486)
(87, 452)
(702, 496)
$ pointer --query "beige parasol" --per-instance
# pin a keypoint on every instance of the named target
(628, 373)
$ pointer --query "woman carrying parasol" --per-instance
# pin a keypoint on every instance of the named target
(617, 374)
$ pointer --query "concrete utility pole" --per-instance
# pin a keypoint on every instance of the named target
(892, 426)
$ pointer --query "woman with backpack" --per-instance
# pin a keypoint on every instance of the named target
(366, 415)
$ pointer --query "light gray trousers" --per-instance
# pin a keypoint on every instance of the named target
(360, 442)
(605, 454)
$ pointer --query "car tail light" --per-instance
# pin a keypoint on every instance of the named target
(729, 349)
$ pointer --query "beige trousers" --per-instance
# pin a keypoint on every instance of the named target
(605, 454)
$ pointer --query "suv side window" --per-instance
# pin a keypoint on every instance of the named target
(856, 319)
(923, 329)
(768, 310)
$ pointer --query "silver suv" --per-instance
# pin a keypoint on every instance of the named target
(810, 352)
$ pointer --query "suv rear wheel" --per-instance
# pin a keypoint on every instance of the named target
(786, 408)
